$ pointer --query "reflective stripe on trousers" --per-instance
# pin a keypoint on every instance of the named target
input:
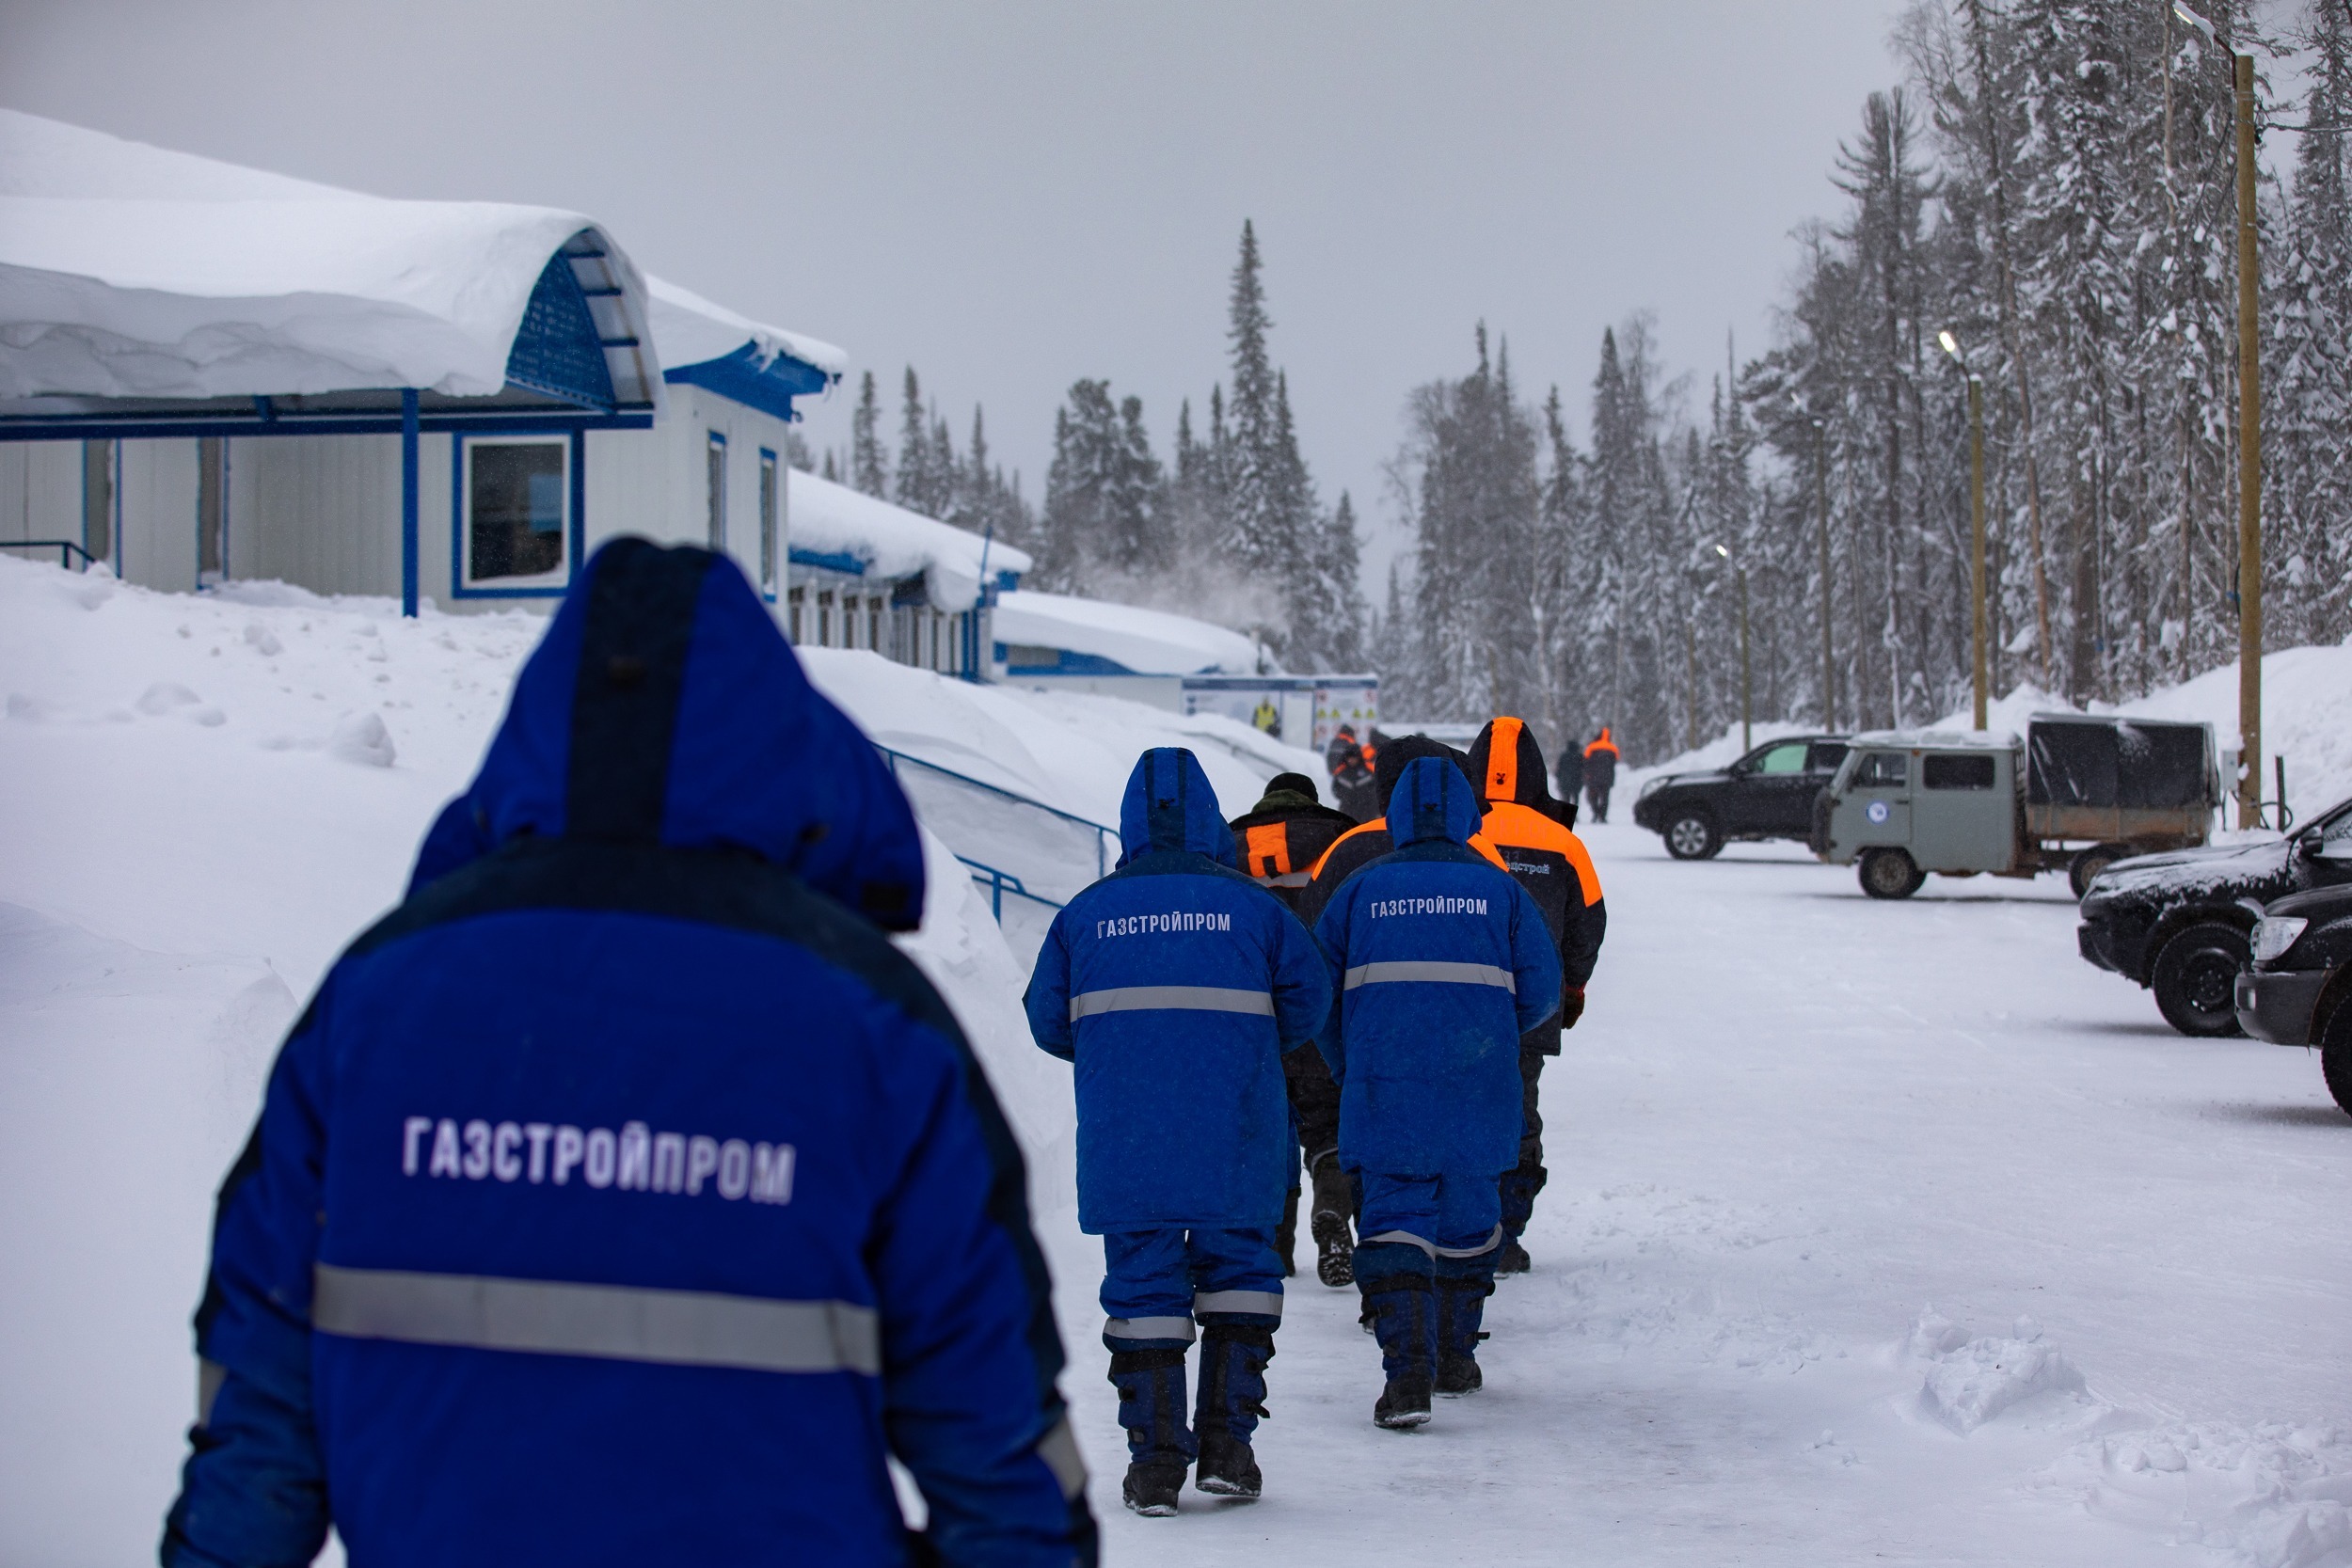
(1265, 1303)
(616, 1323)
(1207, 999)
(1435, 1250)
(1430, 970)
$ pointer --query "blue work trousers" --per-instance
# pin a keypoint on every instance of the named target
(1157, 1282)
(1445, 1216)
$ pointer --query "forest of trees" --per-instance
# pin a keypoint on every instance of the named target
(2054, 184)
(1229, 530)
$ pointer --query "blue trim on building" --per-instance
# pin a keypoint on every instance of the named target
(408, 482)
(557, 350)
(835, 561)
(742, 377)
(175, 427)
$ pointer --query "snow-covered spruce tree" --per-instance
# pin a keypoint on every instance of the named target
(869, 463)
(1075, 526)
(1340, 568)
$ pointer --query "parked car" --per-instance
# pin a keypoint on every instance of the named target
(2076, 795)
(2294, 992)
(2182, 925)
(1766, 794)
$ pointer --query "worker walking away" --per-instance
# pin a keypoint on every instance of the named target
(1346, 758)
(1314, 1095)
(1175, 984)
(1600, 773)
(1551, 863)
(1570, 768)
(1441, 962)
(1277, 840)
(555, 1243)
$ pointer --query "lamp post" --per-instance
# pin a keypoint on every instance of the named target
(2250, 478)
(1976, 507)
(1747, 737)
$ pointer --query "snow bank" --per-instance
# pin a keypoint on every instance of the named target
(1148, 642)
(894, 543)
(1969, 1382)
(130, 271)
(2272, 1496)
(688, 329)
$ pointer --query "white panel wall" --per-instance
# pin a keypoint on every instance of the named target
(40, 490)
(158, 485)
(322, 512)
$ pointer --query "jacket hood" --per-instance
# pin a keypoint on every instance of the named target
(1508, 764)
(1402, 752)
(663, 706)
(1170, 805)
(1432, 801)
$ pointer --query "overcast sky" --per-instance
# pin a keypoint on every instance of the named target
(1014, 196)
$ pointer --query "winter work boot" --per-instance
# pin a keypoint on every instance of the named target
(1519, 1189)
(1286, 1234)
(1513, 1258)
(1334, 1201)
(1461, 1305)
(1151, 1485)
(1399, 1291)
(1233, 1358)
(1160, 1446)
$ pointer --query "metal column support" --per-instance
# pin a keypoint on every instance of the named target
(409, 502)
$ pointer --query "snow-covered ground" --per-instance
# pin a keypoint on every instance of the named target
(1875, 1231)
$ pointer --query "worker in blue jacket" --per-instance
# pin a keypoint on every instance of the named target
(625, 1196)
(1175, 984)
(1441, 962)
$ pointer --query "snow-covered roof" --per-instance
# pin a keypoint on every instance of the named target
(128, 271)
(1997, 740)
(1146, 642)
(830, 519)
(688, 329)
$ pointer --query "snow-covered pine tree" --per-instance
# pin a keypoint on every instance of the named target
(869, 464)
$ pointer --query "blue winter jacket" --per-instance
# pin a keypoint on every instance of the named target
(625, 1196)
(1175, 984)
(1440, 962)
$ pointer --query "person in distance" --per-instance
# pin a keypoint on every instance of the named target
(1441, 962)
(1174, 986)
(1600, 772)
(1551, 863)
(625, 1196)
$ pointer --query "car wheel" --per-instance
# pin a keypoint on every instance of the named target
(2335, 1057)
(1891, 874)
(2196, 978)
(1692, 836)
(2087, 864)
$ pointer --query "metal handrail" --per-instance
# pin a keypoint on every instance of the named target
(1105, 836)
(1001, 882)
(67, 550)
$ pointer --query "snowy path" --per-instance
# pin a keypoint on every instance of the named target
(1793, 1118)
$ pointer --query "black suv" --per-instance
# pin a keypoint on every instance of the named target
(1766, 794)
(2295, 993)
(2182, 924)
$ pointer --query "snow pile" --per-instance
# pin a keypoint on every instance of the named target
(688, 329)
(131, 271)
(893, 542)
(1969, 1382)
(1722, 751)
(1146, 642)
(2274, 1496)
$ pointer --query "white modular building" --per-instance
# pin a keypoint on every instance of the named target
(210, 372)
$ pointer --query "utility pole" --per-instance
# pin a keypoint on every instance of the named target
(1976, 507)
(1747, 672)
(1821, 492)
(2250, 463)
(2249, 466)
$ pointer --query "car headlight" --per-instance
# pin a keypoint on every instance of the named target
(2273, 934)
(1650, 788)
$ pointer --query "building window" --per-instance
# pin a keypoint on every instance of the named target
(824, 619)
(795, 605)
(770, 501)
(518, 494)
(715, 465)
(212, 509)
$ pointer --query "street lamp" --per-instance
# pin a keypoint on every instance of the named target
(1820, 490)
(1747, 737)
(2250, 478)
(1976, 507)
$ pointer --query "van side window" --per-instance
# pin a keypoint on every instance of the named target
(1880, 769)
(1824, 757)
(1956, 772)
